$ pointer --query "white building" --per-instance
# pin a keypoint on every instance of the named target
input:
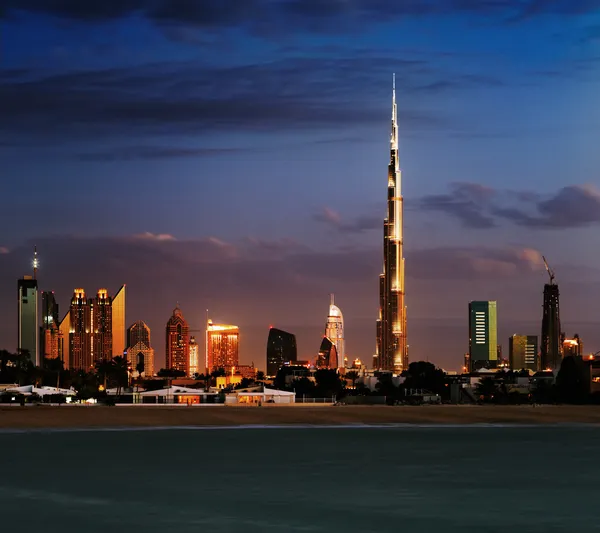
(334, 331)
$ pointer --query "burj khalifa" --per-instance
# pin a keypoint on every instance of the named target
(392, 350)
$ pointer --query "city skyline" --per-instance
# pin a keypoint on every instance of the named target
(498, 130)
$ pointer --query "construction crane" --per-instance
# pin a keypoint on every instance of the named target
(549, 270)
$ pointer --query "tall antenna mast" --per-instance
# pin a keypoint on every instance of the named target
(549, 270)
(35, 262)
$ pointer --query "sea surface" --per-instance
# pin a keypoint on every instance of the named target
(480, 479)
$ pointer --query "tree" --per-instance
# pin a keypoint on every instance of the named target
(170, 373)
(425, 375)
(573, 380)
(385, 387)
(303, 387)
(486, 389)
(328, 383)
(352, 375)
(260, 376)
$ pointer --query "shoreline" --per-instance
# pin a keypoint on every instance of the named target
(89, 417)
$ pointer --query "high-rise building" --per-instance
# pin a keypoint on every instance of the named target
(392, 349)
(118, 323)
(177, 345)
(139, 349)
(328, 356)
(572, 347)
(483, 335)
(86, 334)
(194, 364)
(27, 289)
(49, 330)
(223, 346)
(334, 330)
(80, 332)
(551, 349)
(523, 352)
(101, 320)
(281, 348)
(64, 347)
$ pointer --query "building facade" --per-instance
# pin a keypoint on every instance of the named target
(391, 347)
(177, 342)
(483, 335)
(80, 332)
(572, 347)
(523, 352)
(139, 348)
(334, 330)
(119, 333)
(222, 346)
(194, 354)
(281, 348)
(551, 346)
(328, 356)
(101, 320)
(49, 330)
(28, 332)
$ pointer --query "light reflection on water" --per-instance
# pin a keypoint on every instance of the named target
(417, 479)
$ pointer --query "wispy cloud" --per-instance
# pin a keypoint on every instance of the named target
(480, 207)
(359, 224)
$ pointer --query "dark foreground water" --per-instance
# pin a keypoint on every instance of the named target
(409, 479)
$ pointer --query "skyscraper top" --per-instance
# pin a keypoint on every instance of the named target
(35, 262)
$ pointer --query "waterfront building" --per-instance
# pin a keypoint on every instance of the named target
(139, 348)
(222, 346)
(177, 342)
(551, 348)
(281, 348)
(572, 347)
(119, 341)
(523, 352)
(49, 330)
(27, 290)
(80, 336)
(101, 332)
(334, 330)
(391, 347)
(194, 355)
(328, 356)
(483, 335)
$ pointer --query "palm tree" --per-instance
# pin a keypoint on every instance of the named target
(121, 371)
(353, 376)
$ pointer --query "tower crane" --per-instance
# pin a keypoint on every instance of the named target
(549, 270)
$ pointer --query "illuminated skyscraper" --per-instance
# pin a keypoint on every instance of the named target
(572, 347)
(27, 298)
(49, 330)
(194, 364)
(139, 348)
(223, 346)
(523, 352)
(483, 335)
(118, 323)
(328, 356)
(80, 332)
(101, 320)
(281, 348)
(177, 345)
(86, 332)
(392, 349)
(334, 331)
(551, 349)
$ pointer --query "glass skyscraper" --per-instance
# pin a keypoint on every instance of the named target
(28, 331)
(523, 352)
(483, 335)
(391, 347)
(281, 348)
(551, 349)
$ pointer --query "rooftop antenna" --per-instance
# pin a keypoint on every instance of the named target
(35, 262)
(332, 298)
(549, 270)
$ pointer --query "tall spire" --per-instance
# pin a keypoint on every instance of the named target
(35, 262)
(331, 297)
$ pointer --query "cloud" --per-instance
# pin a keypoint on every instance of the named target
(479, 207)
(473, 263)
(267, 16)
(187, 97)
(468, 202)
(332, 218)
(154, 236)
(4, 250)
(130, 153)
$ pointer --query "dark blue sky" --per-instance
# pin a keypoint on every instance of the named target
(232, 155)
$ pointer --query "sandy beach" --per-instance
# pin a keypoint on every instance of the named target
(141, 416)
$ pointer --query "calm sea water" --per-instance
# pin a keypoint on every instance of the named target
(410, 479)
